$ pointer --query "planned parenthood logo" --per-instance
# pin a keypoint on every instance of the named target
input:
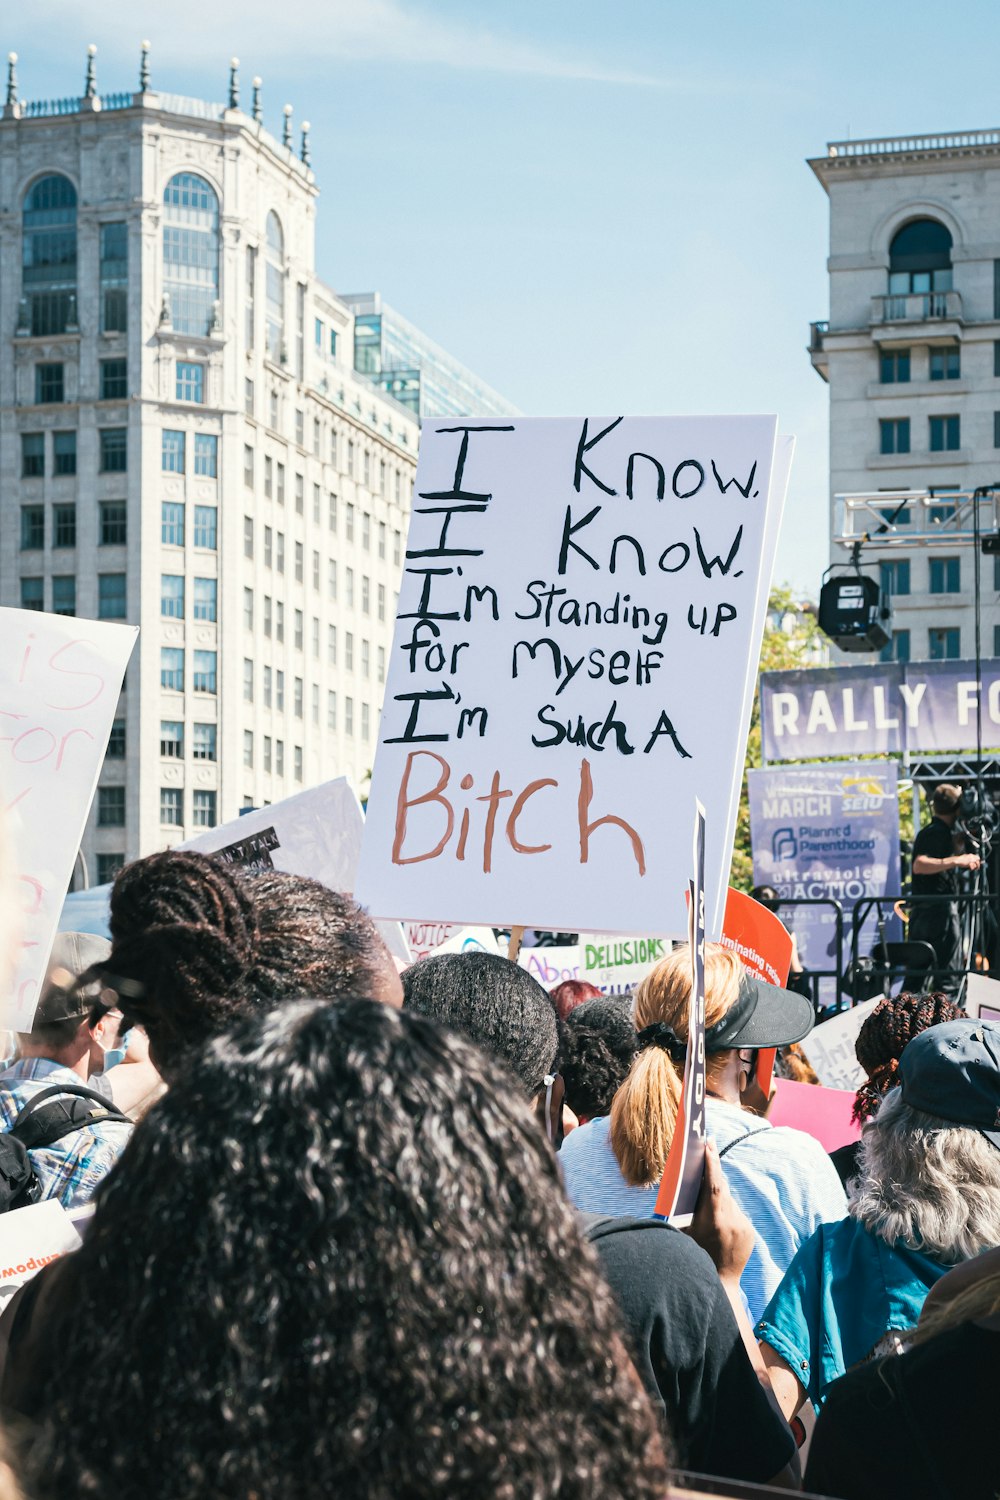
(784, 845)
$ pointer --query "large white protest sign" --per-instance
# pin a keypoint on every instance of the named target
(316, 832)
(829, 1047)
(30, 1238)
(578, 630)
(60, 678)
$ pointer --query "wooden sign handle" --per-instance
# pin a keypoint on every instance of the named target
(514, 943)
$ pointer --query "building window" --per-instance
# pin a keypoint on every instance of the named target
(114, 277)
(318, 333)
(381, 601)
(366, 531)
(268, 615)
(297, 703)
(943, 643)
(920, 258)
(272, 411)
(279, 757)
(297, 762)
(248, 466)
(300, 495)
(315, 636)
(365, 659)
(996, 640)
(191, 253)
(894, 435)
(331, 514)
(331, 645)
(945, 575)
(206, 455)
(248, 536)
(268, 691)
(381, 663)
(114, 379)
(280, 485)
(349, 521)
(331, 710)
(279, 620)
(32, 593)
(248, 403)
(172, 596)
(297, 640)
(204, 671)
(32, 528)
(64, 452)
(172, 453)
(114, 450)
(172, 739)
(317, 437)
(203, 742)
(205, 598)
(111, 807)
(190, 382)
(397, 547)
(108, 866)
(996, 429)
(250, 328)
(64, 526)
(332, 579)
(172, 523)
(366, 590)
(248, 608)
(349, 716)
(274, 290)
(996, 358)
(349, 587)
(171, 806)
(945, 364)
(172, 668)
(894, 576)
(267, 752)
(50, 384)
(248, 748)
(314, 695)
(279, 691)
(268, 547)
(348, 650)
(247, 679)
(936, 514)
(898, 649)
(111, 596)
(116, 741)
(48, 274)
(315, 571)
(299, 562)
(113, 523)
(32, 455)
(300, 427)
(366, 727)
(381, 539)
(206, 527)
(64, 594)
(945, 434)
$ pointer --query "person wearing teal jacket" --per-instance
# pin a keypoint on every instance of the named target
(927, 1198)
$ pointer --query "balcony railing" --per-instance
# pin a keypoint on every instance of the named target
(916, 307)
(900, 145)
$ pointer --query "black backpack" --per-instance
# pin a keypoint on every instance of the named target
(54, 1112)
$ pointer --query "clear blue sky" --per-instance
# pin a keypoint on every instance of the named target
(598, 206)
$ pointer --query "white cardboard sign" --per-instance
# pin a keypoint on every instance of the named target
(982, 998)
(830, 1047)
(30, 1238)
(316, 833)
(577, 636)
(60, 678)
(616, 964)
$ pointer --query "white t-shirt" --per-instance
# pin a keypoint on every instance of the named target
(781, 1178)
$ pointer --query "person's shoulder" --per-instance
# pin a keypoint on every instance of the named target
(666, 1259)
(797, 1145)
(585, 1138)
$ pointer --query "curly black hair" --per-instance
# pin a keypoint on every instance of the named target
(198, 943)
(493, 1001)
(597, 1044)
(342, 1264)
(884, 1034)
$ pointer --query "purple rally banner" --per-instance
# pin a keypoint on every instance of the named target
(826, 832)
(884, 708)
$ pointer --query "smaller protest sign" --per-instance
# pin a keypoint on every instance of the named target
(423, 937)
(29, 1239)
(830, 1048)
(685, 1166)
(765, 946)
(982, 998)
(60, 678)
(471, 940)
(616, 964)
(316, 833)
(551, 966)
(823, 1113)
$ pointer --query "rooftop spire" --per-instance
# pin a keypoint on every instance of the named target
(286, 134)
(144, 69)
(234, 82)
(11, 79)
(90, 85)
(258, 113)
(305, 143)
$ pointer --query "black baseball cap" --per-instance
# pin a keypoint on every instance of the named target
(72, 955)
(761, 1016)
(952, 1071)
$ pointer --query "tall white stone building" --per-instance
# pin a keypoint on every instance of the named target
(184, 445)
(911, 351)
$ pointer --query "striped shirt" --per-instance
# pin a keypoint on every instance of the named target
(72, 1167)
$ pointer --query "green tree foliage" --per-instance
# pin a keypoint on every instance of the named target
(781, 649)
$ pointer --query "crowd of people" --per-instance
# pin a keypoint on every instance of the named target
(368, 1234)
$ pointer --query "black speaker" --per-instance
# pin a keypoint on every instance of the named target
(991, 544)
(851, 613)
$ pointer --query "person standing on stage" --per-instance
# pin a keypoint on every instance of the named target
(936, 866)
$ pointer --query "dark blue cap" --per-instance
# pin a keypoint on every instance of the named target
(953, 1071)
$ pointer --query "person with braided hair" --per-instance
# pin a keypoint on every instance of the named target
(198, 943)
(879, 1046)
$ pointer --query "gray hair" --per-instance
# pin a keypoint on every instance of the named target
(927, 1184)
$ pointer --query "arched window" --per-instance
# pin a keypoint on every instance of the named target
(191, 252)
(274, 290)
(920, 258)
(49, 255)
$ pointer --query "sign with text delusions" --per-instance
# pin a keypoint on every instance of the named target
(59, 683)
(579, 622)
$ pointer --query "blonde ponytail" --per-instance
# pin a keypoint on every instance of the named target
(644, 1110)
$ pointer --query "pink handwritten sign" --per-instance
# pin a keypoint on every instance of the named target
(59, 683)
